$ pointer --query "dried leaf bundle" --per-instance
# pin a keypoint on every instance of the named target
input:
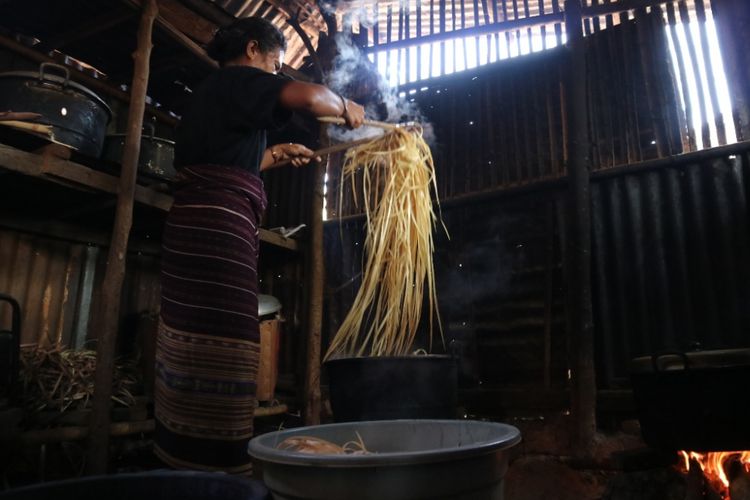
(60, 379)
(396, 174)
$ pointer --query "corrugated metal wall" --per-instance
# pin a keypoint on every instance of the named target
(671, 263)
(56, 283)
(502, 125)
(670, 244)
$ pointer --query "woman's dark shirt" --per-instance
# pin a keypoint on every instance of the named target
(227, 119)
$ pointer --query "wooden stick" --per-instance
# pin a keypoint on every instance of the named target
(370, 123)
(327, 150)
(98, 446)
(28, 127)
(18, 115)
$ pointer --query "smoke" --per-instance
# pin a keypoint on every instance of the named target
(352, 70)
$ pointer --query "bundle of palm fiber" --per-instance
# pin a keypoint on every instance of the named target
(392, 177)
(55, 378)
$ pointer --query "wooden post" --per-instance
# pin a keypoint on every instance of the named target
(583, 390)
(315, 283)
(98, 445)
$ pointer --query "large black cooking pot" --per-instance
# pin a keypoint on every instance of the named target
(393, 387)
(77, 115)
(694, 400)
(156, 157)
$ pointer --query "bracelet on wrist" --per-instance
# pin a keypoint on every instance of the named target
(274, 155)
(343, 101)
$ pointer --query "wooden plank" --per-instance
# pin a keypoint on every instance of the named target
(463, 27)
(419, 35)
(700, 12)
(187, 21)
(388, 27)
(81, 177)
(443, 36)
(487, 20)
(518, 31)
(610, 8)
(502, 27)
(432, 32)
(693, 57)
(400, 38)
(689, 136)
(505, 20)
(647, 67)
(540, 8)
(609, 21)
(496, 20)
(407, 36)
(67, 232)
(375, 30)
(177, 35)
(476, 38)
(527, 15)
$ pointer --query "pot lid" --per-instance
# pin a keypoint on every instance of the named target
(720, 358)
(268, 304)
(57, 80)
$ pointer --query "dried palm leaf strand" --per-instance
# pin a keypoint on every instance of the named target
(397, 174)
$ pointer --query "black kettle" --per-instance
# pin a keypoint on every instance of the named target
(10, 349)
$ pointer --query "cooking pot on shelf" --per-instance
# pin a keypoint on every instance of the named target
(77, 115)
(156, 157)
(694, 400)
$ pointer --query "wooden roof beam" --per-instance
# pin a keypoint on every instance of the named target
(516, 24)
(168, 21)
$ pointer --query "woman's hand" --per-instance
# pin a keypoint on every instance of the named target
(354, 114)
(298, 154)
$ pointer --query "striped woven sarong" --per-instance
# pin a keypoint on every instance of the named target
(208, 343)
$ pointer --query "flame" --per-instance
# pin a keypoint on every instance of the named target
(712, 465)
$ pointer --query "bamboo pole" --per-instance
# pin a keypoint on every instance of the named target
(327, 150)
(98, 446)
(583, 379)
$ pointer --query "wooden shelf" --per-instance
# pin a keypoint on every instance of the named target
(81, 177)
(77, 433)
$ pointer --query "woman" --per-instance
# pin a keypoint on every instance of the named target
(208, 341)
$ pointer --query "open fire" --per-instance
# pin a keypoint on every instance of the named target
(726, 474)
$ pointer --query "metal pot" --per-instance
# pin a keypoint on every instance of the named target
(393, 387)
(156, 158)
(693, 400)
(77, 115)
(267, 305)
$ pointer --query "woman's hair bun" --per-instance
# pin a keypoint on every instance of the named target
(230, 42)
